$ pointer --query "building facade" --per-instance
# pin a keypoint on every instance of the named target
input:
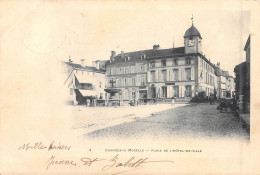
(83, 82)
(162, 73)
(225, 83)
(242, 72)
(128, 74)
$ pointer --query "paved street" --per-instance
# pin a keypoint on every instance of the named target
(192, 121)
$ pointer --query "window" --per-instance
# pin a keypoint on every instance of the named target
(152, 76)
(143, 81)
(187, 60)
(111, 71)
(126, 70)
(133, 95)
(119, 82)
(188, 74)
(164, 75)
(125, 83)
(175, 62)
(164, 91)
(143, 56)
(152, 64)
(132, 69)
(187, 91)
(163, 63)
(176, 74)
(112, 82)
(175, 91)
(133, 81)
(100, 84)
(142, 68)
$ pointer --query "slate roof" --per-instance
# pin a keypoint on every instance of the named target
(151, 53)
(88, 68)
(220, 72)
(192, 31)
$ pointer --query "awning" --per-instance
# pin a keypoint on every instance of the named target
(112, 90)
(85, 93)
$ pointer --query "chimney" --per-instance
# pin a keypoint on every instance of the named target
(97, 64)
(218, 64)
(156, 47)
(122, 54)
(83, 62)
(112, 57)
(70, 60)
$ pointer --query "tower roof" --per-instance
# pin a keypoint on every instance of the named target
(192, 31)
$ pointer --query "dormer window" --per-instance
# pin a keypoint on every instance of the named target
(127, 58)
(163, 63)
(143, 56)
(152, 65)
(187, 60)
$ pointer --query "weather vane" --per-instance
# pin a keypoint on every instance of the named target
(192, 19)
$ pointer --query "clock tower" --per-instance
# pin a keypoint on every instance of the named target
(192, 40)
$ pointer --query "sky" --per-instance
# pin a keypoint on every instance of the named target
(57, 30)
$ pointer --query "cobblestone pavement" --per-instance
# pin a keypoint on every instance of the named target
(192, 121)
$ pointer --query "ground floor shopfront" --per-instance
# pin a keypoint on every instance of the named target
(172, 89)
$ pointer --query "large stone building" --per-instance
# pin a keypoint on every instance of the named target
(83, 82)
(162, 73)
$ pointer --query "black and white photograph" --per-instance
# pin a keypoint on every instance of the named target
(129, 87)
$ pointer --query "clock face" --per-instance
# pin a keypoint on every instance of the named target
(191, 42)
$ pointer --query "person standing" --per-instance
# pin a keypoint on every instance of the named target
(173, 101)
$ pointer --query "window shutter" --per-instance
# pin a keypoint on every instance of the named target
(184, 74)
(192, 91)
(167, 75)
(180, 72)
(156, 76)
(138, 83)
(192, 73)
(129, 81)
(148, 76)
(171, 75)
(168, 92)
(182, 91)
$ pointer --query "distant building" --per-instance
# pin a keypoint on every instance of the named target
(242, 72)
(162, 73)
(225, 87)
(83, 82)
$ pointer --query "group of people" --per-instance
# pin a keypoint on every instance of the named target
(91, 102)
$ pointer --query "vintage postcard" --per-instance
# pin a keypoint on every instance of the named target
(129, 87)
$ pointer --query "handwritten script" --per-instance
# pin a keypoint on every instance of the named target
(116, 164)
